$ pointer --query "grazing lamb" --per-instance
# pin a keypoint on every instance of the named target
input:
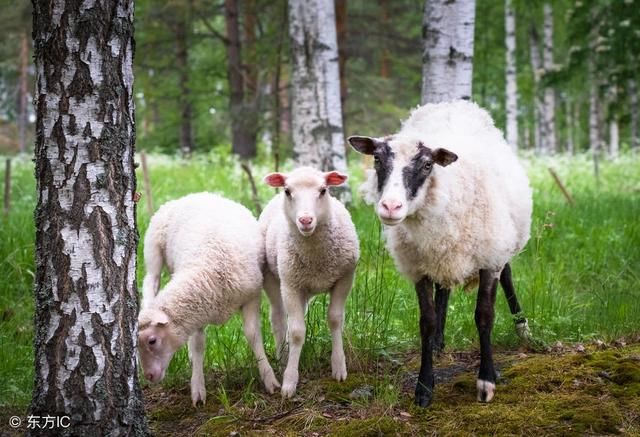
(311, 247)
(214, 250)
(456, 205)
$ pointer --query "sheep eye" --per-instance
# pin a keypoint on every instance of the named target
(376, 160)
(287, 192)
(428, 165)
(323, 191)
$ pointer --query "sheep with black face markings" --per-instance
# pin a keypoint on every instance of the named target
(456, 205)
(311, 247)
(214, 251)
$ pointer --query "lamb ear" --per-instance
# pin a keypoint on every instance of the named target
(159, 318)
(364, 145)
(275, 180)
(333, 178)
(444, 157)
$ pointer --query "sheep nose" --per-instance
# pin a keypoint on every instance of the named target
(391, 205)
(305, 220)
(149, 376)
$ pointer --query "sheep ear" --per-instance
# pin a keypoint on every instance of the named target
(444, 157)
(159, 318)
(333, 178)
(364, 145)
(275, 180)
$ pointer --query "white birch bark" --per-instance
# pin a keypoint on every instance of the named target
(570, 146)
(86, 238)
(549, 126)
(512, 86)
(594, 121)
(536, 67)
(634, 109)
(447, 60)
(318, 137)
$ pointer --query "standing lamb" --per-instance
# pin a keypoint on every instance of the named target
(214, 251)
(456, 205)
(311, 247)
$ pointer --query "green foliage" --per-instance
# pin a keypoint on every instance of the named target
(577, 278)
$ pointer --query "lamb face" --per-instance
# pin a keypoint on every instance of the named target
(156, 345)
(402, 169)
(306, 202)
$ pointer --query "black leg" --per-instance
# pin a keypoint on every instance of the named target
(442, 300)
(424, 388)
(522, 327)
(484, 321)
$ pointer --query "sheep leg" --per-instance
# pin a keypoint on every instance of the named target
(251, 327)
(153, 265)
(484, 316)
(522, 326)
(294, 304)
(339, 295)
(278, 315)
(196, 354)
(425, 386)
(442, 300)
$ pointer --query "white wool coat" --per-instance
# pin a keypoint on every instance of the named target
(476, 212)
(213, 248)
(310, 264)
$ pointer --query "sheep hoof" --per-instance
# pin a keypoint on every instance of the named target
(340, 374)
(486, 390)
(271, 383)
(522, 329)
(198, 397)
(424, 396)
(288, 390)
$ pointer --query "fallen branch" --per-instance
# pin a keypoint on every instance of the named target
(566, 193)
(254, 189)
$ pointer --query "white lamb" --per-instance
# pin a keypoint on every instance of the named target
(311, 247)
(457, 207)
(214, 251)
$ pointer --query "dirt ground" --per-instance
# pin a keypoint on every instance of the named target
(591, 389)
(578, 390)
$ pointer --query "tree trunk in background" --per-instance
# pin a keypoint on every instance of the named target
(634, 109)
(23, 89)
(570, 128)
(243, 116)
(512, 86)
(182, 31)
(86, 300)
(447, 60)
(385, 61)
(614, 137)
(249, 52)
(548, 134)
(536, 67)
(318, 137)
(594, 122)
(341, 32)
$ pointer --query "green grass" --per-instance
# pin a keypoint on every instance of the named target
(577, 279)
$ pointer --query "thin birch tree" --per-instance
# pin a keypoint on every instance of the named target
(512, 86)
(548, 137)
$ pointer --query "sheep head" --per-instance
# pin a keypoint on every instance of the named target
(402, 168)
(156, 343)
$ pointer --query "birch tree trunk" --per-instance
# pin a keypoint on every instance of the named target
(243, 116)
(86, 299)
(318, 138)
(447, 59)
(594, 122)
(570, 127)
(23, 89)
(512, 86)
(549, 126)
(634, 109)
(536, 67)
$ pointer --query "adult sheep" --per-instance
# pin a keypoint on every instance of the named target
(456, 205)
(214, 251)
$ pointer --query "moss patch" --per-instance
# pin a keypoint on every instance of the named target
(596, 392)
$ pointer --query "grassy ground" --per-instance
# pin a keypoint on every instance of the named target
(578, 278)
